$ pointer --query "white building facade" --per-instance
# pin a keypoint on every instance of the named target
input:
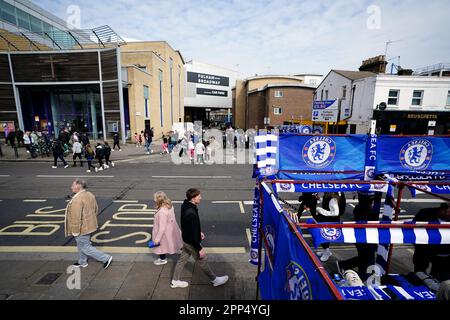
(398, 104)
(208, 90)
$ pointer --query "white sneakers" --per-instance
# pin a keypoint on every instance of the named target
(54, 167)
(178, 284)
(160, 262)
(325, 255)
(66, 166)
(112, 164)
(96, 169)
(88, 171)
(218, 281)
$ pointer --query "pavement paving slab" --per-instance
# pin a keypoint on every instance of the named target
(163, 291)
(99, 294)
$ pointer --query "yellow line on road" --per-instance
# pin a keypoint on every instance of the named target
(60, 249)
(249, 237)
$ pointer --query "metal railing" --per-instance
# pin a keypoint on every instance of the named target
(100, 37)
(434, 67)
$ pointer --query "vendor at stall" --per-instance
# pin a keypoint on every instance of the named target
(331, 211)
(436, 255)
(362, 212)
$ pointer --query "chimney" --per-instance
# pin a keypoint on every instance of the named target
(404, 72)
(376, 64)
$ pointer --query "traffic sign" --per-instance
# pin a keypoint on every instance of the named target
(325, 111)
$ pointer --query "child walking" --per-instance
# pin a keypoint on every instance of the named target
(166, 233)
(89, 157)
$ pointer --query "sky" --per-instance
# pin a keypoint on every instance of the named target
(280, 36)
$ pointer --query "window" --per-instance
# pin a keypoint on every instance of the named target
(321, 95)
(417, 98)
(144, 68)
(146, 97)
(277, 111)
(448, 99)
(161, 96)
(36, 24)
(8, 12)
(278, 94)
(344, 92)
(393, 97)
(326, 94)
(23, 19)
(313, 82)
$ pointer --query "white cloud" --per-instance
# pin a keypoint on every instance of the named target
(279, 36)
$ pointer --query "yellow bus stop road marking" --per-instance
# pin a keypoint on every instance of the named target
(61, 249)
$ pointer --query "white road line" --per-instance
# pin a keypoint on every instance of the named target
(34, 200)
(4, 175)
(192, 177)
(241, 205)
(51, 176)
(125, 201)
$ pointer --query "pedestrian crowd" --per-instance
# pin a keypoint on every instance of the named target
(81, 148)
(167, 236)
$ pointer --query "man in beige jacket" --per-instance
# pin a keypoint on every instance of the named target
(81, 221)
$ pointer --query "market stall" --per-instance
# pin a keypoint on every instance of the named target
(341, 163)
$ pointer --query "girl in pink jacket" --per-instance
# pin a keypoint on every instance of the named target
(166, 233)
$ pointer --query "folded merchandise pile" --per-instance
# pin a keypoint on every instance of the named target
(414, 286)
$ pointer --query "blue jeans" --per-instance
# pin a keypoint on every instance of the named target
(148, 143)
(86, 249)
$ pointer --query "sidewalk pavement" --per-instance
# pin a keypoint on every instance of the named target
(129, 150)
(129, 277)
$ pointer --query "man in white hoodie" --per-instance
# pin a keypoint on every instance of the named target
(200, 151)
(77, 147)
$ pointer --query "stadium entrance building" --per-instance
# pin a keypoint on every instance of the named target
(208, 93)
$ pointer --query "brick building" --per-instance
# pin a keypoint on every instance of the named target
(273, 100)
(279, 104)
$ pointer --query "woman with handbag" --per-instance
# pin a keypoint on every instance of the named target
(166, 233)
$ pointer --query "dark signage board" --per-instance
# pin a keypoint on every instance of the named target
(204, 78)
(212, 92)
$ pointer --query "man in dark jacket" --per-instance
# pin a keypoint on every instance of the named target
(58, 152)
(100, 155)
(116, 142)
(64, 137)
(437, 255)
(192, 242)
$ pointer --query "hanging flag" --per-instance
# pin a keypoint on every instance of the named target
(255, 225)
